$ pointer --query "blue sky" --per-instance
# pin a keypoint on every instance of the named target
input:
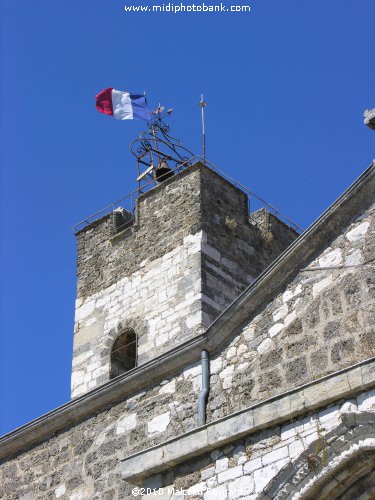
(286, 86)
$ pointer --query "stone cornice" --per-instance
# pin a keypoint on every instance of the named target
(355, 199)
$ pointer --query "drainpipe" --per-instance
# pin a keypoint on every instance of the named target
(202, 401)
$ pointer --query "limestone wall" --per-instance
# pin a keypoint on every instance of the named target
(276, 463)
(82, 462)
(189, 254)
(323, 320)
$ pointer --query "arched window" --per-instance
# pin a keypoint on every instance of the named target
(124, 353)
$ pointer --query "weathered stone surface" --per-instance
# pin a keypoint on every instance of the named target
(320, 322)
(169, 273)
(266, 415)
(325, 320)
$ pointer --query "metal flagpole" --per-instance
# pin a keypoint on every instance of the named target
(155, 136)
(203, 105)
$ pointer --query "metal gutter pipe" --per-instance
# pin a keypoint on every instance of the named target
(202, 401)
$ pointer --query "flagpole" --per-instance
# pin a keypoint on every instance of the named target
(155, 136)
(203, 105)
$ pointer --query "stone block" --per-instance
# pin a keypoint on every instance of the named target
(358, 232)
(230, 474)
(60, 491)
(241, 487)
(325, 391)
(221, 465)
(368, 374)
(85, 310)
(158, 424)
(329, 418)
(290, 318)
(218, 493)
(263, 476)
(296, 448)
(291, 293)
(322, 285)
(226, 376)
(216, 365)
(141, 465)
(280, 313)
(126, 424)
(290, 430)
(296, 402)
(366, 401)
(354, 258)
(275, 329)
(252, 465)
(271, 412)
(223, 431)
(365, 417)
(331, 258)
(212, 482)
(207, 473)
(354, 376)
(189, 445)
(197, 489)
(77, 378)
(349, 406)
(168, 388)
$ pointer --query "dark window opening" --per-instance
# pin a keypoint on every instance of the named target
(124, 353)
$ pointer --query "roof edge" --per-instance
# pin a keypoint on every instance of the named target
(354, 200)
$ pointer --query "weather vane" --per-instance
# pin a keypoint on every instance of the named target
(155, 147)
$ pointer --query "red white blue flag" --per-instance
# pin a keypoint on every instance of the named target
(122, 105)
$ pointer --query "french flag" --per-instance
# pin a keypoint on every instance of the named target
(122, 105)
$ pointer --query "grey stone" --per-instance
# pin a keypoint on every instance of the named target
(296, 370)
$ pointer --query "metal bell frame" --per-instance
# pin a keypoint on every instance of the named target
(155, 147)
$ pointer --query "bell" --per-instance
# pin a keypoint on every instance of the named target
(163, 172)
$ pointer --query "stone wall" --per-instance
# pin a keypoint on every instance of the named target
(189, 254)
(82, 461)
(322, 321)
(273, 463)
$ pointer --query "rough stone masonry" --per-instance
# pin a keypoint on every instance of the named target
(291, 410)
(189, 253)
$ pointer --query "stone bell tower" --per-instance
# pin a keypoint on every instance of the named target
(150, 282)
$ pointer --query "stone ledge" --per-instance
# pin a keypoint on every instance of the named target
(309, 397)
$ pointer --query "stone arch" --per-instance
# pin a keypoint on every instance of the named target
(123, 353)
(116, 339)
(347, 470)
